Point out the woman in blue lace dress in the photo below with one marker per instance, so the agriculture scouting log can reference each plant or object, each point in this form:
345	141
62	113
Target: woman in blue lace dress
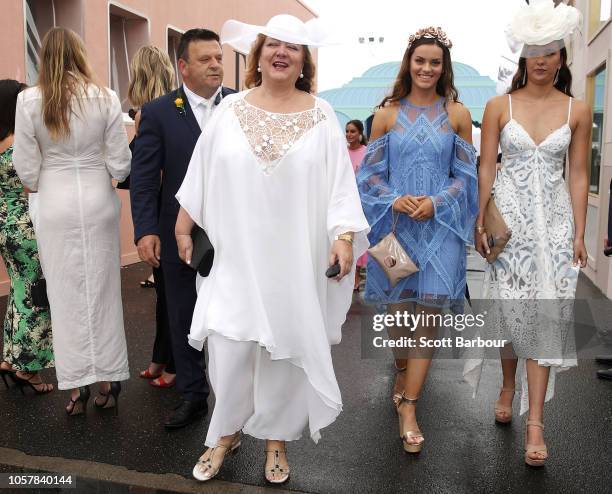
420	172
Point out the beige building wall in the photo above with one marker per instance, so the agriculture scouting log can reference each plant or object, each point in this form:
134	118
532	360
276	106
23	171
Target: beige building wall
590	51
147	22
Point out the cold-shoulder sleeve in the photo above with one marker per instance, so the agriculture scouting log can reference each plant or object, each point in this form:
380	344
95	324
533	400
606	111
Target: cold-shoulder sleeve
456	204
27	158
377	195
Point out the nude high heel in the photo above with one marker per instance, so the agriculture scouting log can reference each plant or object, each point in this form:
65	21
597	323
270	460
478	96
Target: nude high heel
503	413
530	448
412	441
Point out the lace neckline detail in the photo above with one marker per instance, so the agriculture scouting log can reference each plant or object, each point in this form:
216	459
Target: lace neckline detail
244	100
531	139
272	135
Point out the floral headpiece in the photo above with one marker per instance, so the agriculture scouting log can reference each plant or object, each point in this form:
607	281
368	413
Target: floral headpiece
432	33
544	25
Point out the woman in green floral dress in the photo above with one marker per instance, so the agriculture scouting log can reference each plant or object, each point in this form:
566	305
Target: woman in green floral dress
27	345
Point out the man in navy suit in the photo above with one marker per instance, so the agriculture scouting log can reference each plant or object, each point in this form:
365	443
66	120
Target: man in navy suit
169	129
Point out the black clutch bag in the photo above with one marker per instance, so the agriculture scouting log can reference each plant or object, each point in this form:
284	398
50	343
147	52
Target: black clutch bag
39	293
203	252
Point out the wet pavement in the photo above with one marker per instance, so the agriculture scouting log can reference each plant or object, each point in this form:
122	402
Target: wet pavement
360	453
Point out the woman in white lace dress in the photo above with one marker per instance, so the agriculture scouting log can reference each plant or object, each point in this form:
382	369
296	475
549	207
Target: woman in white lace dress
271	182
539	127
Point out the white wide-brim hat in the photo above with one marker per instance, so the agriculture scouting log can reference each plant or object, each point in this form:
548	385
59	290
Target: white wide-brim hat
283	27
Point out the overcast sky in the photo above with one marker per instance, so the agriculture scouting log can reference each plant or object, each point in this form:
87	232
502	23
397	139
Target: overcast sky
476	28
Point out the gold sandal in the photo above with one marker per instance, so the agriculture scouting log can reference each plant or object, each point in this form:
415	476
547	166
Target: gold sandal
204	469
410	439
503	413
277	470
530	448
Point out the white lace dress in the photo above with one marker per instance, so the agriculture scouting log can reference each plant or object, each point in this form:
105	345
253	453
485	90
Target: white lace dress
272	191
532	283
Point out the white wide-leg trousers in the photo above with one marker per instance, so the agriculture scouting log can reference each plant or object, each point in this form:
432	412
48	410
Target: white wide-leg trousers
267	399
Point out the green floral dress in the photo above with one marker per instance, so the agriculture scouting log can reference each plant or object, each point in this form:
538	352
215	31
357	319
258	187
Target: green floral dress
27	329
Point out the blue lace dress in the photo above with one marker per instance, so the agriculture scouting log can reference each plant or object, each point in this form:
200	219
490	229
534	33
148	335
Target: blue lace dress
421	155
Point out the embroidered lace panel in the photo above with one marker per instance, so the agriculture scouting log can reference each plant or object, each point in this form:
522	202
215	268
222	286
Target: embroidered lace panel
272	135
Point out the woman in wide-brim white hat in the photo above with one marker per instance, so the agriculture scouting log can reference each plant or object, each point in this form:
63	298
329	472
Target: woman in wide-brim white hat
271	182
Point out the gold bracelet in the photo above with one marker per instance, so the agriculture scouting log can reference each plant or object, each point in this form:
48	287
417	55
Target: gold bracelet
480	229
346	237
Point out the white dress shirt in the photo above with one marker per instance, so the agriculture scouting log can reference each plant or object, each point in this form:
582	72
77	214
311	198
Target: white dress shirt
202	108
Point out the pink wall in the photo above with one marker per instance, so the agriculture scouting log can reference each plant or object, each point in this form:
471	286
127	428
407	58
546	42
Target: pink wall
181	14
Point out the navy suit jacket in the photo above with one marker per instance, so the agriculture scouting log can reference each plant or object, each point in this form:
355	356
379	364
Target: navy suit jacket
162	150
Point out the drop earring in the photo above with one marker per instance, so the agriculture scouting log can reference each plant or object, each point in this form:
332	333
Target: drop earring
556	78
525	77
259	68
301	75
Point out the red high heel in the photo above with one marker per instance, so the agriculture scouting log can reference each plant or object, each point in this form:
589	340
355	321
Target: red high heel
147	374
160	382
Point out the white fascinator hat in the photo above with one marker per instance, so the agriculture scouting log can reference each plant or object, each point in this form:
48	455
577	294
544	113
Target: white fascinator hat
541	28
283	27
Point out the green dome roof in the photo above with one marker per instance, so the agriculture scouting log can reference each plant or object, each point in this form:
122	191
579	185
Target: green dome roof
390	69
358	98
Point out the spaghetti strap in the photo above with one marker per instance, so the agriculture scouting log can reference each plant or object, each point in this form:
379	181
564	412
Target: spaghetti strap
510	105
569	110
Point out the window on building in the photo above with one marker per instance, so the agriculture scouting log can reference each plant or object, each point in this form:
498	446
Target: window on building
240	68
174	37
42	15
600	12
597	85
128	32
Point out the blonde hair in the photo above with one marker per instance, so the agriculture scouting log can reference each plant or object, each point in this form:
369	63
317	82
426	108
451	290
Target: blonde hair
64	74
152	75
252	77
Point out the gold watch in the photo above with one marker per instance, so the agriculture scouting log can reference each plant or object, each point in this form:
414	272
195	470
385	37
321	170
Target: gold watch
345	236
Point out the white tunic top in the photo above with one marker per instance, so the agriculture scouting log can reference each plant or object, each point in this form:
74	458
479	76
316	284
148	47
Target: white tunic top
272	191
77	229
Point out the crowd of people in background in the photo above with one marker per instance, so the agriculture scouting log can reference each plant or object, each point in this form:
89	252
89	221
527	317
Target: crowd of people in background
283	196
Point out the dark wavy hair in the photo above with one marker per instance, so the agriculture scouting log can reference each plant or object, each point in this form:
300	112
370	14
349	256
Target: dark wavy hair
252	77
403	82
564	78
9	90
359	126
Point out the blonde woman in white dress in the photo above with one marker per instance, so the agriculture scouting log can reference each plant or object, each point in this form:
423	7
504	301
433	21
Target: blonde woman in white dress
69	143
271	182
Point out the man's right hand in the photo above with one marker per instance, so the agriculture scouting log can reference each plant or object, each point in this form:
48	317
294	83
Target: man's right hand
149	248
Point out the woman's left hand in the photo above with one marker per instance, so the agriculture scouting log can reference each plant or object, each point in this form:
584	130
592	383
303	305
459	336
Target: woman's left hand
341	251
580	253
425	210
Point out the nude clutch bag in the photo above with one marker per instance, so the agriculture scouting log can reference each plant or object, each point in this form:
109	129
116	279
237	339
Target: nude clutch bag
392	258
498	233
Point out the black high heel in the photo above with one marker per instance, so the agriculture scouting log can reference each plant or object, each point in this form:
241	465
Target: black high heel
114	390
23	382
79	406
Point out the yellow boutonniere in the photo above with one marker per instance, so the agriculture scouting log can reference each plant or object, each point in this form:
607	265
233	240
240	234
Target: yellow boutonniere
180	105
